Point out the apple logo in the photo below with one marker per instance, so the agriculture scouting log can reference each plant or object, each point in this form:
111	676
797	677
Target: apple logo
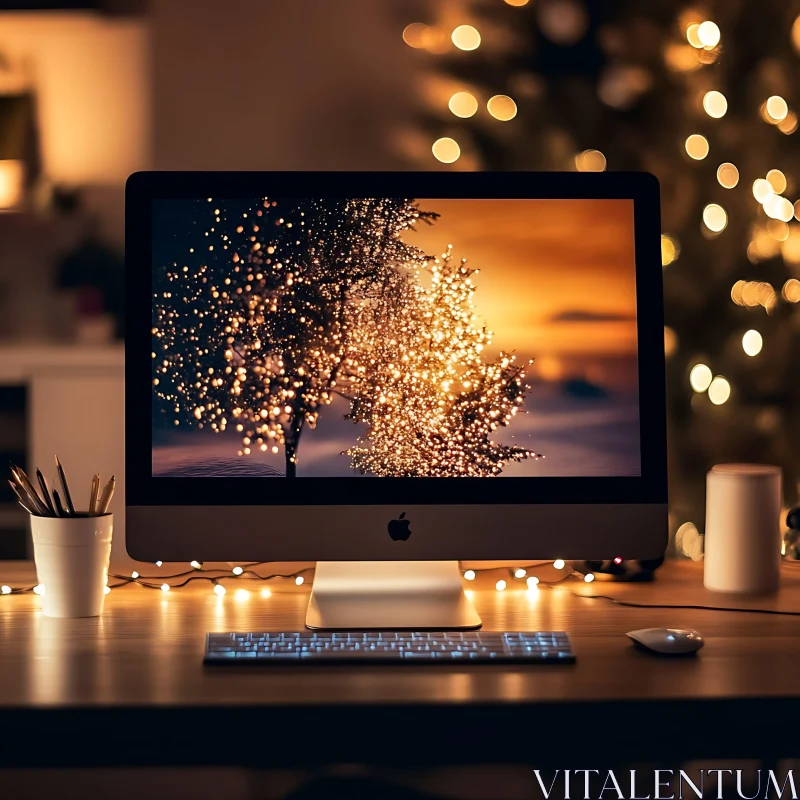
399	528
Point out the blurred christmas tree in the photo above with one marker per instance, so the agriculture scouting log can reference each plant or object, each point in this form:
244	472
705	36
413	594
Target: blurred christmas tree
704	97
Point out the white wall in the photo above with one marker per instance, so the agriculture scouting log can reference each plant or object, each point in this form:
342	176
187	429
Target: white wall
91	75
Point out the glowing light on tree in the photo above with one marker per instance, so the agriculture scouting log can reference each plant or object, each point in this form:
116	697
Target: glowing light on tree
431	403
254	338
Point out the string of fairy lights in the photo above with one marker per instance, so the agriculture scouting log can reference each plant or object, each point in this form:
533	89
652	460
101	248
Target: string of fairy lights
513	577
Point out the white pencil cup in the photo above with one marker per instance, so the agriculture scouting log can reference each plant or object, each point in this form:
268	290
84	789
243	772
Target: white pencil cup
72	556
743	539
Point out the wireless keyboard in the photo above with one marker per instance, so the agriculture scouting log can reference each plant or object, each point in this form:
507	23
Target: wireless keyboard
404	647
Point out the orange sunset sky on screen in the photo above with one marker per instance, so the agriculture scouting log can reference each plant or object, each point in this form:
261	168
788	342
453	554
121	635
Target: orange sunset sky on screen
556	276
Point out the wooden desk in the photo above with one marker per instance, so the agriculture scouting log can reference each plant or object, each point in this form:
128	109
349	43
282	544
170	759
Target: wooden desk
129	688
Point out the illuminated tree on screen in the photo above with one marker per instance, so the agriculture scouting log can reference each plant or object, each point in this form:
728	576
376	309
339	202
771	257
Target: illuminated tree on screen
419	381
254	334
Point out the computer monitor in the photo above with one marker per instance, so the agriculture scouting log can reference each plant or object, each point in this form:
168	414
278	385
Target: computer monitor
373	369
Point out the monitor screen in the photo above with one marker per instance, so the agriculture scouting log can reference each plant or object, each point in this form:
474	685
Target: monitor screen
393	337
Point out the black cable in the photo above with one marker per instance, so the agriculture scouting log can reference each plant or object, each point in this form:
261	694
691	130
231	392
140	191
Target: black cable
690	607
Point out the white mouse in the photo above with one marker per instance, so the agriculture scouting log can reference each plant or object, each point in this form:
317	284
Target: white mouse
668	641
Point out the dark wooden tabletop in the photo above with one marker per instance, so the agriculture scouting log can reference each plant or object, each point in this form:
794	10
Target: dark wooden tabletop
132	680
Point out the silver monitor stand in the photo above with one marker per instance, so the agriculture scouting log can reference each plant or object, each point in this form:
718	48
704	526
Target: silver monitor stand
385	595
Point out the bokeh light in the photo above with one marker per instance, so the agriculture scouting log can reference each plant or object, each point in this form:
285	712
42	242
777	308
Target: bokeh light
670	341
700	377
416	34
778	207
719	391
465	37
502	107
715	104
692	36
727	175
670	249
789	124
517	3
762	190
777	180
777	108
697	146
446	150
791	290
752	342
564	22
715	217
463	104
590	161
708	34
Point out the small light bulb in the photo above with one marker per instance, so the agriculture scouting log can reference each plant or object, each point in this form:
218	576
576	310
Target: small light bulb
500	585
559	563
38	589
469	575
164	587
5	589
618	560
520	573
106	590
299	580
159	563
134	574
195	564
237	570
219	590
588	577
266	593
242	594
532	582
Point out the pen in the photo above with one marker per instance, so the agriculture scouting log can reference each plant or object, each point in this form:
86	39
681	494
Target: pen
105	500
45	492
23	501
65	487
59	508
27	488
93	495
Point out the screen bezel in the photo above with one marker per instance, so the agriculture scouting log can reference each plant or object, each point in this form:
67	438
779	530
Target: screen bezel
142	488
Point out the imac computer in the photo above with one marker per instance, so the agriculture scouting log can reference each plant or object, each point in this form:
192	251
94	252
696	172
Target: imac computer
386	373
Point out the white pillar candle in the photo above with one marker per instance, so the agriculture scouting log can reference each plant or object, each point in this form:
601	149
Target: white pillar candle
742	539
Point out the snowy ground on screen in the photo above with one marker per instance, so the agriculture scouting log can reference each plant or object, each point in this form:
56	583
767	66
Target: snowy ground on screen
579	436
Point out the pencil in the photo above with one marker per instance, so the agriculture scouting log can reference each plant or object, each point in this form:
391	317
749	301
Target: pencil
65	487
22	499
27	488
105	500
45	492
57	501
93	494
